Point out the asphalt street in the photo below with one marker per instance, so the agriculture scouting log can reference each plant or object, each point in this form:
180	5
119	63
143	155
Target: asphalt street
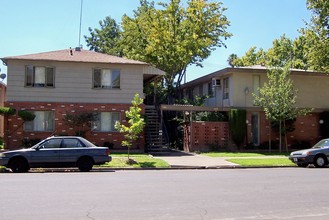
276	193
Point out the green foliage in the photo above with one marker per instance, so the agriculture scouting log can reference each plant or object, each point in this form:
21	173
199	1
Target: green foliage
237	123
7	111
26	115
278	98
136	123
283	51
81	122
210	116
106	39
309	51
173	37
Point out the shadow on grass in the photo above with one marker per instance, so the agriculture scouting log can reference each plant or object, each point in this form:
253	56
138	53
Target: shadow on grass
147	164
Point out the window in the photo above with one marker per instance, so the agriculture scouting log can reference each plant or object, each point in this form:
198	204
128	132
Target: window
210	90
36	76
72	143
106	121
106	78
43	121
256	84
225	88
50	144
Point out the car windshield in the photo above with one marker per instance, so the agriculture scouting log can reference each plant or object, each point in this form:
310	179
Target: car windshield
322	143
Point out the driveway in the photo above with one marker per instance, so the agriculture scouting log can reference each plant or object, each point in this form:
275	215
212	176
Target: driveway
178	159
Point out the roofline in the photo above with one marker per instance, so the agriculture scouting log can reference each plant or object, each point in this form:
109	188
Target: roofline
5	59
229	70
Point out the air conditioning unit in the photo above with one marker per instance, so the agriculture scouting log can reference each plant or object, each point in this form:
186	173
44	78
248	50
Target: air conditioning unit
216	82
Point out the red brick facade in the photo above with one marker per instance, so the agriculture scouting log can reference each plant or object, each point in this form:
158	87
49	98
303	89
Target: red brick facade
209	136
307	128
16	133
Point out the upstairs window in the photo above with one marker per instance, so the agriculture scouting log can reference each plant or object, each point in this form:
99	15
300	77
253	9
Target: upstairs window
39	76
106	78
226	90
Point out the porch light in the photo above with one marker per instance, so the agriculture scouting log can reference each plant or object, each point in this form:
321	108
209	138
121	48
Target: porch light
321	121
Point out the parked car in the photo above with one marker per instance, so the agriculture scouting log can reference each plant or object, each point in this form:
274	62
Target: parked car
317	155
61	151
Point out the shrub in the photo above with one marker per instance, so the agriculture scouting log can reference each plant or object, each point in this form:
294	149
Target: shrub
26	115
237	122
7	111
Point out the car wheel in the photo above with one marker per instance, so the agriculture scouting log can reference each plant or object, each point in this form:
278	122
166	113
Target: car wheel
320	161
85	164
18	165
302	164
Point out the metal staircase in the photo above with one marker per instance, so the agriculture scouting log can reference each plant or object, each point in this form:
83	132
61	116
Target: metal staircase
155	139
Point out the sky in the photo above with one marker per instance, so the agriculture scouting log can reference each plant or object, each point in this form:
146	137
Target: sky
35	26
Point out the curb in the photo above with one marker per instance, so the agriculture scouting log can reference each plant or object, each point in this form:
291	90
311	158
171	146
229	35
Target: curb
106	169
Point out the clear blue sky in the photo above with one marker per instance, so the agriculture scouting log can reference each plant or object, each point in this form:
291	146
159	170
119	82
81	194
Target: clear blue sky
33	26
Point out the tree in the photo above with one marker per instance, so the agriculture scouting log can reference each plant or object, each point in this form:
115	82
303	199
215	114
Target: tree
238	126
278	98
80	121
283	50
173	37
106	39
136	124
317	35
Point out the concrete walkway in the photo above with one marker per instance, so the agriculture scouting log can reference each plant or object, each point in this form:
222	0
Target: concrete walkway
177	159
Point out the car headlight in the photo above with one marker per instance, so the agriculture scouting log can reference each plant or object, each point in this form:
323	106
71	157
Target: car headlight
306	153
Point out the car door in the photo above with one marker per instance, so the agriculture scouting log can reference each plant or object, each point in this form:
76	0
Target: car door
71	150
47	153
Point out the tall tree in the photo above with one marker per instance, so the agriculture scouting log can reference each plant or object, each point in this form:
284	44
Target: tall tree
105	39
317	35
278	98
283	50
173	37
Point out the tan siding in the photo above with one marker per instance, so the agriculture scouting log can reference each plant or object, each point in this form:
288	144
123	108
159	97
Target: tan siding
73	83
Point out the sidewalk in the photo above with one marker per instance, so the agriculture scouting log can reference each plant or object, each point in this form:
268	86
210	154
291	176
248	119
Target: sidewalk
178	159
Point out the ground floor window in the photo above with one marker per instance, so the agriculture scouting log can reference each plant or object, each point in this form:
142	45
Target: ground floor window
43	121
106	121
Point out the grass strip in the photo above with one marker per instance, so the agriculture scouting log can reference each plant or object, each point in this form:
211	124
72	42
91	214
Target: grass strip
250	162
242	154
136	161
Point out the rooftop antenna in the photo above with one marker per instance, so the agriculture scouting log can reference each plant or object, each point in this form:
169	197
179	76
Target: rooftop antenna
80	23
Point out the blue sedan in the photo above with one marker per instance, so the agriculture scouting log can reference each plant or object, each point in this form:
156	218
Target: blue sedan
62	151
317	155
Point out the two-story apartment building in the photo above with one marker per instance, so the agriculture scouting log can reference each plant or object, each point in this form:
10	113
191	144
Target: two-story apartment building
72	81
234	87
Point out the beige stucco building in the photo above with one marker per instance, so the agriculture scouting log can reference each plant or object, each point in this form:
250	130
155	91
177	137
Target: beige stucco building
234	87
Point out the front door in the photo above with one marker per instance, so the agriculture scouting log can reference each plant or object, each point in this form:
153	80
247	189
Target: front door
255	128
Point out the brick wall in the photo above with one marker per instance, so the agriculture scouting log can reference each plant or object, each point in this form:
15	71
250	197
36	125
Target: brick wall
208	136
307	128
16	133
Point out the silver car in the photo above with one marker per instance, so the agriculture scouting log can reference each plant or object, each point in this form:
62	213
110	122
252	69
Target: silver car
62	151
317	155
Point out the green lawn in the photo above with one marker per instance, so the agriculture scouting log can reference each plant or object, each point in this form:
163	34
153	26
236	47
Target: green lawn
242	154
250	162
137	161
